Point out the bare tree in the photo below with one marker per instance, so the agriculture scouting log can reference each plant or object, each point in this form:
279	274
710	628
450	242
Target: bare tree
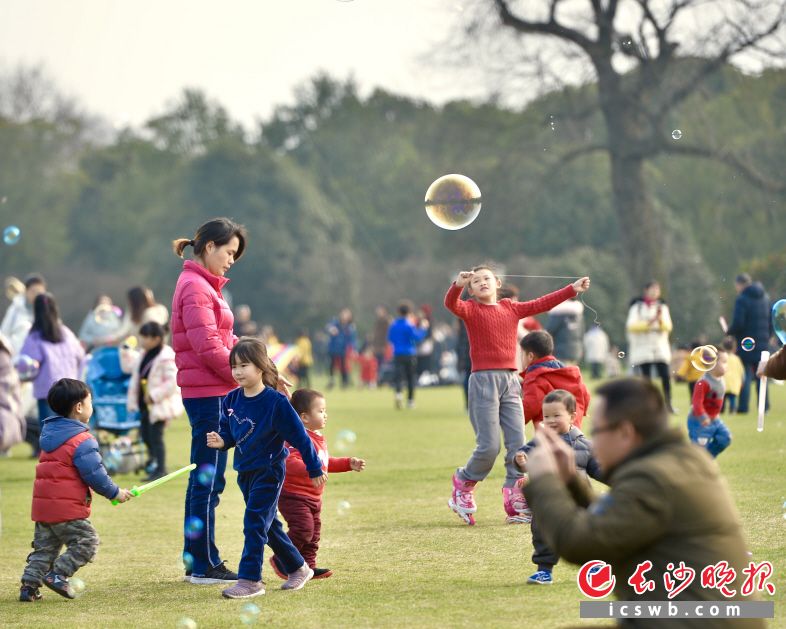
647	57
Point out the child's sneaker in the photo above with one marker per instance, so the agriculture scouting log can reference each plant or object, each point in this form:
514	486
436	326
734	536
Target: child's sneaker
215	575
298	578
516	508
410	403
29	593
462	502
322	573
541	577
399	401
280	572
59	584
244	589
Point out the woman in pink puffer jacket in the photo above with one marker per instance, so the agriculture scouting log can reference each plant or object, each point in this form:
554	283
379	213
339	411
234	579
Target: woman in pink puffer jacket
202	338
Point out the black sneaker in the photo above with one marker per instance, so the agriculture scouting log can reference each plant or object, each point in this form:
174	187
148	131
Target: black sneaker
187	578
59	584
29	593
322	573
212	576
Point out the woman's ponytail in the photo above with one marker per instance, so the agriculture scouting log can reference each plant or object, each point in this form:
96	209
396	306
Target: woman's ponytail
180	244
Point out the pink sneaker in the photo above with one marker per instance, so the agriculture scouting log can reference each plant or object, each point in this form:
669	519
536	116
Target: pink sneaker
462	502
516	508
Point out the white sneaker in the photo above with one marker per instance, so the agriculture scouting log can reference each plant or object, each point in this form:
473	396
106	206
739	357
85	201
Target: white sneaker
299	578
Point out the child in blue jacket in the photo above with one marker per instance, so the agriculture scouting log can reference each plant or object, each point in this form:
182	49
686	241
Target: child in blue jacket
256	420
405	336
69	467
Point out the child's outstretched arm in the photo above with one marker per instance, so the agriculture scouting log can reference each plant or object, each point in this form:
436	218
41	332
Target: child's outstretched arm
453	296
88	462
547	302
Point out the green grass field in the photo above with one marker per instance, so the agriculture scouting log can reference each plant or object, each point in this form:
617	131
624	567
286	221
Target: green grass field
400	557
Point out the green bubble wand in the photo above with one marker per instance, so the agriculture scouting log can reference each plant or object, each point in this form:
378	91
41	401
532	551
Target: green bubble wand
138	491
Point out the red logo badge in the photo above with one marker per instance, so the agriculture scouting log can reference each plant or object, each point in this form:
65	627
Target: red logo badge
595	579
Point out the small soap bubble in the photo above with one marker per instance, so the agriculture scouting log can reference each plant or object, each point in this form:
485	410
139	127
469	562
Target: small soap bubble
77	586
676	134
704	357
344	507
249	614
344	440
620	354
194	527
748	344
11	235
27	368
186	623
3	199
205	474
188	561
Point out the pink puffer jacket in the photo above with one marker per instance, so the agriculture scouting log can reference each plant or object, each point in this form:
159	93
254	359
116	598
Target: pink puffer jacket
202	333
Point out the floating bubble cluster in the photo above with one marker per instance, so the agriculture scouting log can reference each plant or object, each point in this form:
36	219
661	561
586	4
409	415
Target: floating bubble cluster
704	357
11	235
453	202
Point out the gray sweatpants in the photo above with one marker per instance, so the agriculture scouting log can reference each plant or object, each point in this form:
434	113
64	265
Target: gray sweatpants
494	403
81	542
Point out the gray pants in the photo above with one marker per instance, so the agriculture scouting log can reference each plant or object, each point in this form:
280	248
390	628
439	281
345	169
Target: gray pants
494	403
81	542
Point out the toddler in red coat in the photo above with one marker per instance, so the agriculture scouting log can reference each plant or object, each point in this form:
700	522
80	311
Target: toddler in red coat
69	468
300	502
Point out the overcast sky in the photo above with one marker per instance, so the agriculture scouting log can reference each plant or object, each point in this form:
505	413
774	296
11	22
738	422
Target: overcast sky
126	60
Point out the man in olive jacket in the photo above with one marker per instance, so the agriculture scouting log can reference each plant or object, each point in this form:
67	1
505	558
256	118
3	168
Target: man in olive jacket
667	501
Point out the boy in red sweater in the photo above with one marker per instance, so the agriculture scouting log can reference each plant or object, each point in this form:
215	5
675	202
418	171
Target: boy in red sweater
542	373
705	427
70	468
494	393
300	502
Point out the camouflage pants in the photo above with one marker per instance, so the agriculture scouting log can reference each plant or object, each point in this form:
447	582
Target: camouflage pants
81	542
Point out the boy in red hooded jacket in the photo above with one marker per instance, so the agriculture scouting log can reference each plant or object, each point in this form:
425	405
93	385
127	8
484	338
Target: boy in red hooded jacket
543	373
300	502
69	468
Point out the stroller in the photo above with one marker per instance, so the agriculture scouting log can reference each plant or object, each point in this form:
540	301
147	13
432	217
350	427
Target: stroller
110	422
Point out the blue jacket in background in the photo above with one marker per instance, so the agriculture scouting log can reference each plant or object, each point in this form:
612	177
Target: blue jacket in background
338	344
585	460
257	428
404	336
751	319
87	459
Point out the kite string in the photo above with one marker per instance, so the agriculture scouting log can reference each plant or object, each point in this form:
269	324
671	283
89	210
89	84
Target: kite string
562	277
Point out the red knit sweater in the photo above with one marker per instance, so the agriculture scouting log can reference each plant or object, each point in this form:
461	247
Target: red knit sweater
492	328
708	399
297	480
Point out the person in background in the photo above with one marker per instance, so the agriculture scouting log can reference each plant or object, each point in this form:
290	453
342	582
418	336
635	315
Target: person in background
56	350
305	358
405	335
12	419
379	338
19	317
565	323
751	320
142	307
735	374
596	350
244	324
342	341
104	320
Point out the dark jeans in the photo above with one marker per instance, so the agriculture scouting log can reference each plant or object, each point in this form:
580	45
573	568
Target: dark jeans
304	377
339	363
303	516
153	435
261	525
731	399
663	372
34	430
81	542
596	370
405	372
745	392
202	500
543	557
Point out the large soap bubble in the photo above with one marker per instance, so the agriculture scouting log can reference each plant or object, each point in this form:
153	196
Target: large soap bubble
453	202
779	319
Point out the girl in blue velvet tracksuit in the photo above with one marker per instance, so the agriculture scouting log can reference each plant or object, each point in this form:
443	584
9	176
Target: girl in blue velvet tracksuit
256	420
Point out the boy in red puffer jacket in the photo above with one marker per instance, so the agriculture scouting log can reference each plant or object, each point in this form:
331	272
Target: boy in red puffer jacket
69	467
543	373
300	502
